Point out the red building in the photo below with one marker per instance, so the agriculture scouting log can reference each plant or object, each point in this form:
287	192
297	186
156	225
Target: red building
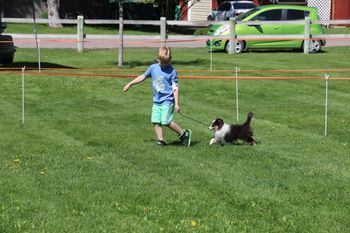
328	9
341	9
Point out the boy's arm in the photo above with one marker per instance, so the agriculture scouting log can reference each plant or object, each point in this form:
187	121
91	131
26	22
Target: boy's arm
133	82
176	97
175	85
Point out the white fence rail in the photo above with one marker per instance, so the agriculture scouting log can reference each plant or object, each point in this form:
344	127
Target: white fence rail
80	22
169	22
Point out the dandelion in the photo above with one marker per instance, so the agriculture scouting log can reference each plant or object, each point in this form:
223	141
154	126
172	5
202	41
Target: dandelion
194	223
43	172
17	161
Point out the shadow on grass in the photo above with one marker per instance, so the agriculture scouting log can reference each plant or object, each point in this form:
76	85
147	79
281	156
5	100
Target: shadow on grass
33	65
179	144
268	51
155	29
293	51
176	143
132	64
194	143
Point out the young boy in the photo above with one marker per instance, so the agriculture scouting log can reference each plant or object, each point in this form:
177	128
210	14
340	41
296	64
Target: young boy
165	96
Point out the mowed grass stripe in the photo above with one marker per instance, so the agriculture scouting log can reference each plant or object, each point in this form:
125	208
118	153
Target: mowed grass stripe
85	159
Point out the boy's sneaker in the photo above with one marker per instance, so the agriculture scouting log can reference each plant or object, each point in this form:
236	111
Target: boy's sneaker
186	137
161	143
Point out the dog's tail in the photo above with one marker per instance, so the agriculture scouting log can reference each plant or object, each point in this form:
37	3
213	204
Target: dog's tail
250	118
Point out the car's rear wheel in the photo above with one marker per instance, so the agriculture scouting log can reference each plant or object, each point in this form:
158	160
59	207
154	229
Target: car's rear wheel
314	46
239	46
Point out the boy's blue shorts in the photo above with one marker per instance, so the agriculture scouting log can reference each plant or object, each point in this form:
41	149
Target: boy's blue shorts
162	113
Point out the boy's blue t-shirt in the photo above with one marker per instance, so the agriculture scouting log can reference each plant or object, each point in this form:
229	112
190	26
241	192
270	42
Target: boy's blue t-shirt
163	80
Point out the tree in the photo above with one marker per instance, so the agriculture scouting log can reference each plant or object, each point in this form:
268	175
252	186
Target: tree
52	10
121	35
166	8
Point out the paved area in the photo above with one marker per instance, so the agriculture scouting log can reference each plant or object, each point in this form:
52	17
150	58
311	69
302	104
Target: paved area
105	42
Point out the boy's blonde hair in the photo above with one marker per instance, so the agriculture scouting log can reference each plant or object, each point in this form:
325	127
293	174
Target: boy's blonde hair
164	56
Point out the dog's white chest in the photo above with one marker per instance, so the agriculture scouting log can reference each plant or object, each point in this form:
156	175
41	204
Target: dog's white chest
220	134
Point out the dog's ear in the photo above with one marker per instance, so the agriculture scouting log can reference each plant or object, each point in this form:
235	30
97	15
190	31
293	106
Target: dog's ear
220	121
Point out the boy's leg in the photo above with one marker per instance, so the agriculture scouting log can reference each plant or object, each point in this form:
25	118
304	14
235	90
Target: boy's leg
167	114
159	132
184	134
156	119
176	128
160	137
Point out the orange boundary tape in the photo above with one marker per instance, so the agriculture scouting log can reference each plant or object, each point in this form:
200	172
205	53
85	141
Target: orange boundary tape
340	70
157	41
258	78
181	77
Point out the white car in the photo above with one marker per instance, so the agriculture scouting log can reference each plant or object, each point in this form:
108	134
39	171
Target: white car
229	9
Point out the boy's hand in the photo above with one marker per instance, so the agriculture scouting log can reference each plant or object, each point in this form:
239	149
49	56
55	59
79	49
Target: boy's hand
177	108
126	87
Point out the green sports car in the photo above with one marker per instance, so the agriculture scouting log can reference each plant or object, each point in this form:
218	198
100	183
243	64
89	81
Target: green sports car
269	13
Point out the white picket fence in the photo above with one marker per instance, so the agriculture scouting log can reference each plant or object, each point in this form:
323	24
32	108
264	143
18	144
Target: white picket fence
163	23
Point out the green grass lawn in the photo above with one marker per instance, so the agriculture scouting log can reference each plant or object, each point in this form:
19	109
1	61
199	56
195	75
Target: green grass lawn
338	30
93	29
128	29
85	159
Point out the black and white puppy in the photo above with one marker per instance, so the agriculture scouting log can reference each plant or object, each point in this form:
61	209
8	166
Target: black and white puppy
228	133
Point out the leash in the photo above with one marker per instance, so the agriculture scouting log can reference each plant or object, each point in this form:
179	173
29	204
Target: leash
199	122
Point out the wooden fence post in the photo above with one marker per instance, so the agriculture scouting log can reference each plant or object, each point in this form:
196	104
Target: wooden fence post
121	42
80	31
307	35
232	41
163	35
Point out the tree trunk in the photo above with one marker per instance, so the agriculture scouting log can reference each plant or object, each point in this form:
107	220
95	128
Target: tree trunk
52	10
167	9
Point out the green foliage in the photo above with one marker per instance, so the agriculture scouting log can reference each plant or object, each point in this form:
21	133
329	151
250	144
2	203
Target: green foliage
92	29
86	161
125	1
201	31
44	15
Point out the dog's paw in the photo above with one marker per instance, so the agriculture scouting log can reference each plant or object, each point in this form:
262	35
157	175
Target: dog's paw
212	141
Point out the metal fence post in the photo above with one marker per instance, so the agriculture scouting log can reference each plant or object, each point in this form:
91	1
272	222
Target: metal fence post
307	35
80	31
232	41
237	104
326	76
163	35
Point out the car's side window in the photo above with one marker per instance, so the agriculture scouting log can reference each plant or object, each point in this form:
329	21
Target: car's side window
225	7
243	5
296	14
270	15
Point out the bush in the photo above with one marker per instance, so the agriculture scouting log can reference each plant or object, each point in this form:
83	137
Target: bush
201	31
